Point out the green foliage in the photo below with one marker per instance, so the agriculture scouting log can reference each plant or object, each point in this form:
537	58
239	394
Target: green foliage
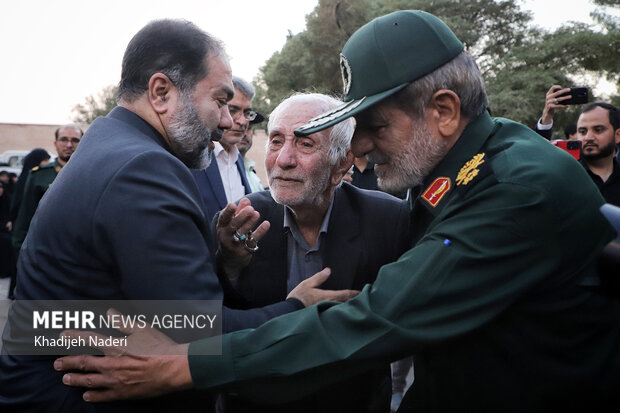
95	106
519	62
309	61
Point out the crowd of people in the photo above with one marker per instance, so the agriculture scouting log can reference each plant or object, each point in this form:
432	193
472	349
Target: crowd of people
480	274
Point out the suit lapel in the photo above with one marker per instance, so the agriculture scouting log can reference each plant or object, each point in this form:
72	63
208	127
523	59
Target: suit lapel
343	244
215	180
270	285
244	178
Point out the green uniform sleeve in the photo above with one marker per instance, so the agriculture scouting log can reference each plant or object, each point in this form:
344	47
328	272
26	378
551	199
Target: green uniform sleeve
29	204
481	255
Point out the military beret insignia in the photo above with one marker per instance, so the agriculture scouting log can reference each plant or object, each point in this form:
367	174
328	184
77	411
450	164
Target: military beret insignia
436	191
470	170
345	71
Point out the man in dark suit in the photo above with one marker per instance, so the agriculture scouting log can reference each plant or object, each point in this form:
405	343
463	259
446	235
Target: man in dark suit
123	220
315	222
224	180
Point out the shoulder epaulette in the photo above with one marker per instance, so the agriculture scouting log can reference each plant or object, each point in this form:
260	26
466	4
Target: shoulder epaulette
45	167
474	170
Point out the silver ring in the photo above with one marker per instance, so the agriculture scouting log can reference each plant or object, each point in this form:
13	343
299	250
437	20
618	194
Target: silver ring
555	101
239	237
250	244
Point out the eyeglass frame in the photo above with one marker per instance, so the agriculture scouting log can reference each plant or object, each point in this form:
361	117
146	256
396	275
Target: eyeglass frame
248	114
66	140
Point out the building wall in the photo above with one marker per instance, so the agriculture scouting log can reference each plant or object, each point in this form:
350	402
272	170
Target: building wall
19	136
22	136
257	153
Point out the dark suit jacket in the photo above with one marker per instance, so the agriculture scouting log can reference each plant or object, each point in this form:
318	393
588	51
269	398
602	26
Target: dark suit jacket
123	220
366	230
211	189
545	133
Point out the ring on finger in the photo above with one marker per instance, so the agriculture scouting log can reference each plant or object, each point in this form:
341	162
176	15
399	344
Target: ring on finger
555	101
250	244
239	237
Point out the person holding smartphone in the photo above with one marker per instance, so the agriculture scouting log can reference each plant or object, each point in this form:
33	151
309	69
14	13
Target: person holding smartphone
558	97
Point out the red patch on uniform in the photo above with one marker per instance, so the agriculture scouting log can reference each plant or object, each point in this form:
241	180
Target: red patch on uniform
436	191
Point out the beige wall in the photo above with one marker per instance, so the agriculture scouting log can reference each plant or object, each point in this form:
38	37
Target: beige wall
257	154
16	136
20	136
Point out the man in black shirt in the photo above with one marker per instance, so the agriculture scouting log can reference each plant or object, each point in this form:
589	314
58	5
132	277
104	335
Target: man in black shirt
598	129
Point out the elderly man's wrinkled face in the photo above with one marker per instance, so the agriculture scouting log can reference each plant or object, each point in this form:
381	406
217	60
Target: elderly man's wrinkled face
298	169
403	149
201	116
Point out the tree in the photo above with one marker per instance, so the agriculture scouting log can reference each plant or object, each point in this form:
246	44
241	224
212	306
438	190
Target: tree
519	62
96	106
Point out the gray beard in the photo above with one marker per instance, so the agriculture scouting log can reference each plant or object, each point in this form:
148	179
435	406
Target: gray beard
189	136
409	167
315	194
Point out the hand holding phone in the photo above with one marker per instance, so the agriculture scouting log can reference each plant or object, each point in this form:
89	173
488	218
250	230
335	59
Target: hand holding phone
578	96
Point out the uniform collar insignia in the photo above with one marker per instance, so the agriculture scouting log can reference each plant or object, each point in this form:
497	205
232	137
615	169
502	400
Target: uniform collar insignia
436	191
470	170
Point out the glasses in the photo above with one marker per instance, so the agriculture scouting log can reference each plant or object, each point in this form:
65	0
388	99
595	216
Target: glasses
64	140
235	112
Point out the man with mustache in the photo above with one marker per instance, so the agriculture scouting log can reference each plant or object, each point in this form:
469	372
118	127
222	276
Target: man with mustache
316	221
225	180
123	220
495	298
598	129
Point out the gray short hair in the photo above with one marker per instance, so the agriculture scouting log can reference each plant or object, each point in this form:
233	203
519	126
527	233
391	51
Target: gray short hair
460	75
244	87
340	134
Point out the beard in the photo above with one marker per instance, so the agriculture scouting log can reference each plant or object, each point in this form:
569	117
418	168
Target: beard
189	136
314	191
603	152
409	167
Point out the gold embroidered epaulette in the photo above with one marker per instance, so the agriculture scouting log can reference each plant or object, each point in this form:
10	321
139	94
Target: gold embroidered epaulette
470	170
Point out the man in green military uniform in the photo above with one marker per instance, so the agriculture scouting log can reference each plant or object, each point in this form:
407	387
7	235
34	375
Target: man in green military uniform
496	298
67	138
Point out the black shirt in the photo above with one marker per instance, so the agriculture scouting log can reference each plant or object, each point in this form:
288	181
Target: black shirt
610	189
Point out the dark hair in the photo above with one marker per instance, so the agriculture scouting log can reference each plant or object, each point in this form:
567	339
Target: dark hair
614	116
176	48
57	131
34	158
570	129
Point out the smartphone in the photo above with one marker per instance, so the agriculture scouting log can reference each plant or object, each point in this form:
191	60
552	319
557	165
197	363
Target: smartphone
573	147
579	96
